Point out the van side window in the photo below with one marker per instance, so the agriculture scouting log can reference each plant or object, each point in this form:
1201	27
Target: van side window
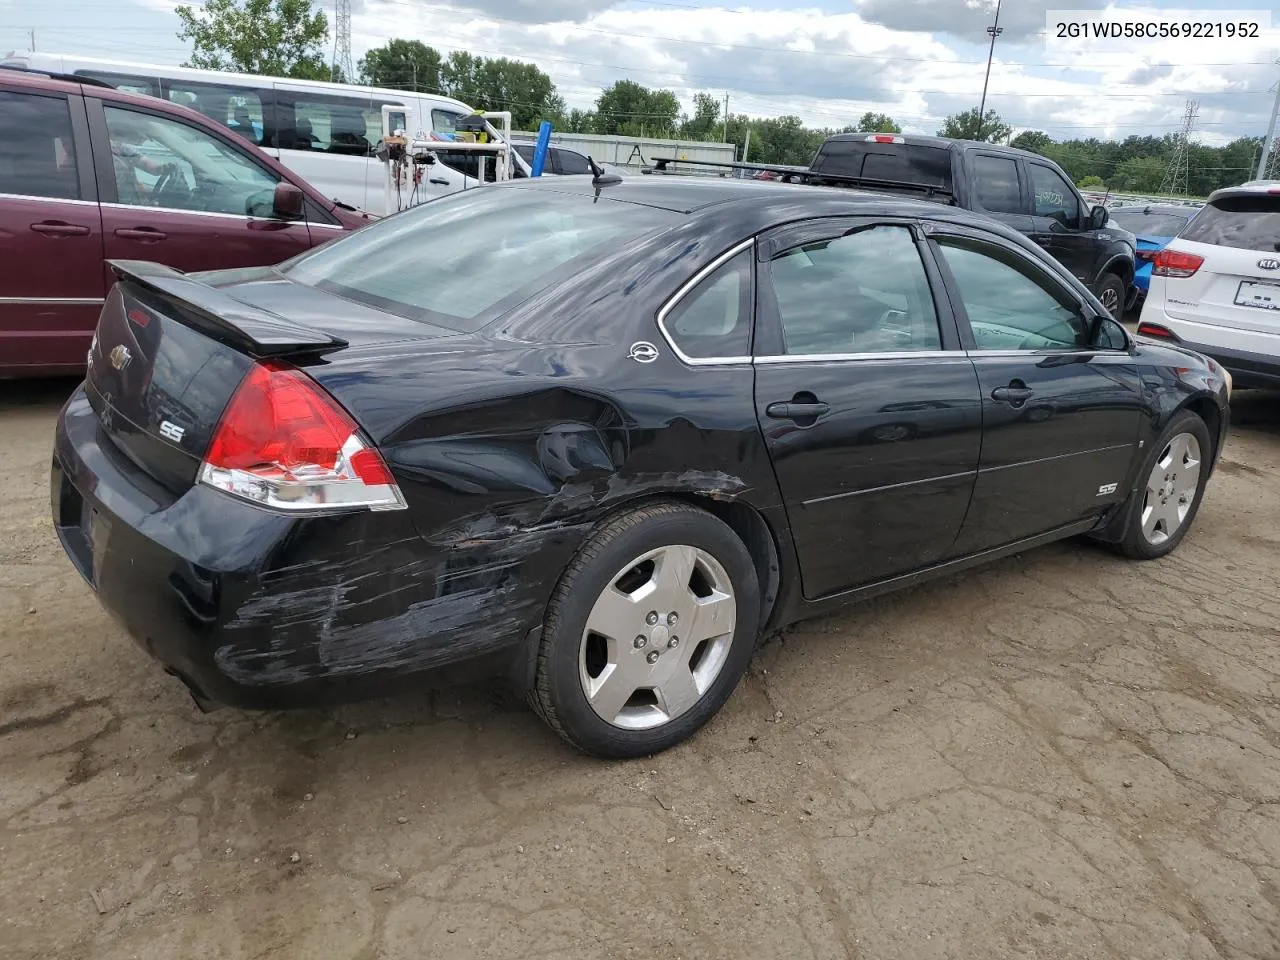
148	86
325	123
239	109
38	158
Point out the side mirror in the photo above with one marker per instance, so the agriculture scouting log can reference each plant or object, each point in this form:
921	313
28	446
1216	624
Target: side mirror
288	201
1098	218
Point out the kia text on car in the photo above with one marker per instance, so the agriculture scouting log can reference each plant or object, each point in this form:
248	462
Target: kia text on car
598	438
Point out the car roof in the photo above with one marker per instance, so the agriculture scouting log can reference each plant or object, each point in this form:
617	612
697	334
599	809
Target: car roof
1253	188
763	203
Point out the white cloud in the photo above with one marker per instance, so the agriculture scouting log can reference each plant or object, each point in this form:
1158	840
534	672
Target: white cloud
828	68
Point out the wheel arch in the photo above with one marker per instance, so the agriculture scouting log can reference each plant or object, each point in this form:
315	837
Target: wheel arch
1206	408
1122	266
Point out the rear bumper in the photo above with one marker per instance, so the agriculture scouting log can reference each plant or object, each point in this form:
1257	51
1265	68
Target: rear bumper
1253	358
256	610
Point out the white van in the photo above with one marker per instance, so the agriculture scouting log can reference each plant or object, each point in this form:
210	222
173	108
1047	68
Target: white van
327	132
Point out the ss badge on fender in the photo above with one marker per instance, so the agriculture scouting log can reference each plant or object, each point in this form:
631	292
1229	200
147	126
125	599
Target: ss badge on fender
1107	489
171	431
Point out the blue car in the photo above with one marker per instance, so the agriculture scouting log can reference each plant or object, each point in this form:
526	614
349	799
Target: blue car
1154	225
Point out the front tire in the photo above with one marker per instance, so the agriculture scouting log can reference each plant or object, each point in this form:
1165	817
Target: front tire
648	632
1111	294
1169	489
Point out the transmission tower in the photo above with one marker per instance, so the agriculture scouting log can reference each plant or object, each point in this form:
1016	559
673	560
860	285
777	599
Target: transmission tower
342	41
1175	175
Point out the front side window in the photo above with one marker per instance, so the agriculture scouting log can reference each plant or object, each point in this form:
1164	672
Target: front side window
864	292
160	162
714	320
997	184
37	152
1011	304
457	260
149	86
1054	196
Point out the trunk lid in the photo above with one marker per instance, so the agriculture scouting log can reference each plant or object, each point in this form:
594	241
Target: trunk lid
170	350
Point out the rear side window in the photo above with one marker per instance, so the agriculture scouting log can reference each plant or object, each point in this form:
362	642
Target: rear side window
1246	223
37	153
457	261
715	319
996	181
904	162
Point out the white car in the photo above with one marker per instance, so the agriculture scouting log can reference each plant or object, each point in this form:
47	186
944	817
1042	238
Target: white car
1215	287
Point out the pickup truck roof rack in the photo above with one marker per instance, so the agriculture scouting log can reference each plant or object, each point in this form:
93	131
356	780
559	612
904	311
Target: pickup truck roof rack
792	174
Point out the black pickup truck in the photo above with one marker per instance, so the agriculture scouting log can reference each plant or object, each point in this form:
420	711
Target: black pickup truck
1024	190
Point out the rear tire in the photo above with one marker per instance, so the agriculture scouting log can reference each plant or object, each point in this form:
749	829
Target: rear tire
648	632
1168	491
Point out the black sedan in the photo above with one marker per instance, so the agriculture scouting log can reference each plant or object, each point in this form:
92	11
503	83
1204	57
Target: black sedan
600	438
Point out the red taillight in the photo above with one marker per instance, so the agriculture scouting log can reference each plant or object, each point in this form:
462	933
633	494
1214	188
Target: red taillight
140	317
283	442
1155	330
1145	254
884	138
1175	263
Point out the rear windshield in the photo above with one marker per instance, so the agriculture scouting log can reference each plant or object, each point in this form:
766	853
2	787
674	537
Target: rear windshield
457	261
1151	224
904	162
1247	223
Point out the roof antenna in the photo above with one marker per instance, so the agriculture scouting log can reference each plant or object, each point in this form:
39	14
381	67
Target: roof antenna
599	177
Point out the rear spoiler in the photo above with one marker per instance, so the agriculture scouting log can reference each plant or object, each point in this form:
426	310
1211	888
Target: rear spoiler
249	329
790	174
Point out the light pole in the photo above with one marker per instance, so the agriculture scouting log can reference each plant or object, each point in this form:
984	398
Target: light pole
993	31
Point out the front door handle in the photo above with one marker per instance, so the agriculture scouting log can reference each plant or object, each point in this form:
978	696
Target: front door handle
1016	393
57	228
145	234
796	411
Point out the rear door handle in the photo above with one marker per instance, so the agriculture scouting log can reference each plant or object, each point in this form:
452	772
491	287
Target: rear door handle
796	411
56	228
145	234
1012	394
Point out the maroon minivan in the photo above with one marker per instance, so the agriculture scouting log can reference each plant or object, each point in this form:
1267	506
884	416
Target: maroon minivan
89	174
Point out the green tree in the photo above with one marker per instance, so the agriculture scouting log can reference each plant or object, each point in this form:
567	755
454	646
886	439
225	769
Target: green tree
1139	175
279	38
704	122
1034	140
502	84
402	65
968	126
1091	182
876	123
630	109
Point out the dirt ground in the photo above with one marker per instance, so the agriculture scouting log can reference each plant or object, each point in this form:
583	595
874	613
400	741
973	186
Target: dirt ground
1064	755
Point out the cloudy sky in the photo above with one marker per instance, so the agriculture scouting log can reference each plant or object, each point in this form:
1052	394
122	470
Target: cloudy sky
824	60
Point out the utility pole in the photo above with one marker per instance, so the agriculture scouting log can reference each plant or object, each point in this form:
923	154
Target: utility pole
725	136
993	31
1271	132
342	40
33	40
1177	174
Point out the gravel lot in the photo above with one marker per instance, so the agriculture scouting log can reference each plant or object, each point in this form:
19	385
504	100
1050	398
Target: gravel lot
1064	755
